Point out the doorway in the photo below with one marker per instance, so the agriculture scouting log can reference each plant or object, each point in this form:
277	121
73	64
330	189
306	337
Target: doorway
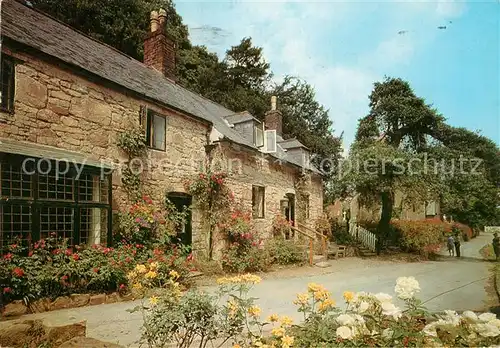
288	210
184	231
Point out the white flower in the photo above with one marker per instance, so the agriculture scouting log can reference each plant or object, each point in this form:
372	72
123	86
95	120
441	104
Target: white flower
486	317
469	316
359	319
452	318
430	329
382	297
344	332
390	309
345	319
387	334
406	287
487	330
363	307
495	322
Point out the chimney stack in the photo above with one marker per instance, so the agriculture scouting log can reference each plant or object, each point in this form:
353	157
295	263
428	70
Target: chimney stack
274	118
159	49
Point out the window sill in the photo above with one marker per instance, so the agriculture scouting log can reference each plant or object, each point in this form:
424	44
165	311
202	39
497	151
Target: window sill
155	149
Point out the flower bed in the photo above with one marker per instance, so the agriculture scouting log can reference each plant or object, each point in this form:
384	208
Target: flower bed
51	269
367	320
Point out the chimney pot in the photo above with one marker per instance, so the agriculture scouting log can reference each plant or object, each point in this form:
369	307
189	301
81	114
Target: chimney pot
273	103
154	21
162	17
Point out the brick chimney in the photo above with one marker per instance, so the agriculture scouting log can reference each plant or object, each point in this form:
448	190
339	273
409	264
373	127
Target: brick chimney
159	48
274	118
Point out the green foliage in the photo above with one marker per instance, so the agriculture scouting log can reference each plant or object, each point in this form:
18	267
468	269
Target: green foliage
133	142
122	24
281	226
487	252
238	259
421	236
201	317
285	252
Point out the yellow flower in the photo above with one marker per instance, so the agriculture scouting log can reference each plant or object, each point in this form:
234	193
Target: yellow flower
302	299
278	331
273	318
233	308
313	287
222	280
250	278
348	296
151	275
174	274
321	295
153	300
236	345
326	304
141	268
153	265
286	321
254	311
286	341
137	286
131	275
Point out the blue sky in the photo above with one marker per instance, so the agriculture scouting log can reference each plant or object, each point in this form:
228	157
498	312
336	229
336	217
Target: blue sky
342	48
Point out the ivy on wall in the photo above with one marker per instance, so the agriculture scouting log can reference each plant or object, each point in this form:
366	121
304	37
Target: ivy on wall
133	143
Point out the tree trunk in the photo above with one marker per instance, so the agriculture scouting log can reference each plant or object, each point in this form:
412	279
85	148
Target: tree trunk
385	219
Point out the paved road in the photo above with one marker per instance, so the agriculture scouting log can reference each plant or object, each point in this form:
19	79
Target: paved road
446	284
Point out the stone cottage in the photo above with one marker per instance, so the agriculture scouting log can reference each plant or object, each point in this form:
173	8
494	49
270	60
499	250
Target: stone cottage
65	99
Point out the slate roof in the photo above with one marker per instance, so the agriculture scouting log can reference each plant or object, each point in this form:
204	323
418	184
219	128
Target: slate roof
37	30
241	117
291	144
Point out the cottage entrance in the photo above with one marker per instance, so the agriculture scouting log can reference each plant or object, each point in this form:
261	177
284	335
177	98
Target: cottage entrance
181	201
288	210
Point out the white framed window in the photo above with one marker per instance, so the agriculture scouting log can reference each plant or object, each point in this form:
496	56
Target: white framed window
156	130
270	141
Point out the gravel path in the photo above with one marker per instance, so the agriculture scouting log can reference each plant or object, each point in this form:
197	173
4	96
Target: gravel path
449	283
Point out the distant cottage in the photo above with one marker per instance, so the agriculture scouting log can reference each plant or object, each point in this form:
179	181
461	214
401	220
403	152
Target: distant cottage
66	96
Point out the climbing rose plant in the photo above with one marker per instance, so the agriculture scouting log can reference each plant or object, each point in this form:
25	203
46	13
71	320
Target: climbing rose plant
213	197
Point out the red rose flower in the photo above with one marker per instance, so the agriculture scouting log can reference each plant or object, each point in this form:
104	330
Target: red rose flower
64	277
56	251
68	252
8	256
76	257
7	290
122	286
18	272
30	253
96	270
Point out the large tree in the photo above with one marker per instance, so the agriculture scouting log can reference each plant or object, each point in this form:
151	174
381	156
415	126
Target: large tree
404	144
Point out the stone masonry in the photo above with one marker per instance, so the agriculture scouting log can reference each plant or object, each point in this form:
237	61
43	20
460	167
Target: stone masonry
57	107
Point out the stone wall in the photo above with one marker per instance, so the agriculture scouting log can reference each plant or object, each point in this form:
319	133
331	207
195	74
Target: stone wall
55	107
246	169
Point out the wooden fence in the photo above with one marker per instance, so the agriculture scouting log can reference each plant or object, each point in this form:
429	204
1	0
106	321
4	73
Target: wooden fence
362	235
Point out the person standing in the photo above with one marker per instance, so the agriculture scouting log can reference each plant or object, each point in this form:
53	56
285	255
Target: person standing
451	245
457	245
496	245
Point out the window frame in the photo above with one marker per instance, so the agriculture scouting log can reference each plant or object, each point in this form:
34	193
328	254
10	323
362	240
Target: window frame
11	86
262	213
36	203
150	140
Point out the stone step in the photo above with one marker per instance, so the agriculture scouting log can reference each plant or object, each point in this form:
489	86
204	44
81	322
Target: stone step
319	258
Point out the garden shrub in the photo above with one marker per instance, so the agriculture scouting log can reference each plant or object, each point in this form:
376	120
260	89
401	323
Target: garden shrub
367	320
244	250
424	237
464	231
285	252
51	268
281	226
323	225
487	252
341	237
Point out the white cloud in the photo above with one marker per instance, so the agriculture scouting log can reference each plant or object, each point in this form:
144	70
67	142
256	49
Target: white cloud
450	8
